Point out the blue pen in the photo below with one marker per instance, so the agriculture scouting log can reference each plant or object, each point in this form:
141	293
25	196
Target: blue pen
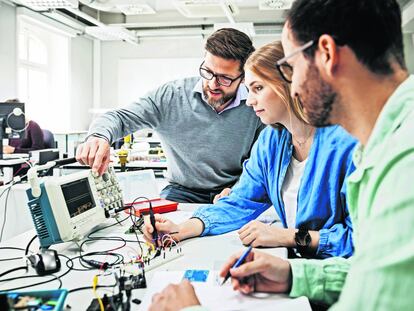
238	262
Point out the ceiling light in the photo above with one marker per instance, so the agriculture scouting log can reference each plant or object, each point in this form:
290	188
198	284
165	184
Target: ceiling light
135	9
44	5
205	8
275	4
111	33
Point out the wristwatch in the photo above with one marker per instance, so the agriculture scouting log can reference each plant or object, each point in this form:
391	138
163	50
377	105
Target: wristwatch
303	241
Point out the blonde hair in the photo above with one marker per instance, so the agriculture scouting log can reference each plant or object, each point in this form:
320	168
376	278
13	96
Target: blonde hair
263	64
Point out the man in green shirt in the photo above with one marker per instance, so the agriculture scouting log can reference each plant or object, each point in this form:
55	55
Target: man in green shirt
345	61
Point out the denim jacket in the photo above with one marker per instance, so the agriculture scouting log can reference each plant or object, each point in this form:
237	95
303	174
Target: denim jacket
322	193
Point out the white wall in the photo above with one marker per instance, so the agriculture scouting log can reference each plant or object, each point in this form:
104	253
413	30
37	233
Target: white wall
409	51
8	80
113	54
81	62
81	80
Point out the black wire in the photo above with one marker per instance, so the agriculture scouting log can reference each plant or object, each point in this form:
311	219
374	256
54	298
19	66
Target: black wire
106	227
12	258
12	270
28	245
58	278
135	220
110	252
72	266
5	205
89	287
133	229
12	247
5	210
69	268
109	238
119	259
31	285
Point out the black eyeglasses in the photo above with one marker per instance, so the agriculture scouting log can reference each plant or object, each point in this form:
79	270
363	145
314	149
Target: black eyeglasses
220	79
286	70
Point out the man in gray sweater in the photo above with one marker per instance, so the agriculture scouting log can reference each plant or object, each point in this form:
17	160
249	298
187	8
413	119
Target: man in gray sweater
205	127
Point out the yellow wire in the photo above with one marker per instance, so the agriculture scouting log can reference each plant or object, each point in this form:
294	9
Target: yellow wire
94	284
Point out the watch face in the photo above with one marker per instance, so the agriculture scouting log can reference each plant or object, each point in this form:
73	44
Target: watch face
302	238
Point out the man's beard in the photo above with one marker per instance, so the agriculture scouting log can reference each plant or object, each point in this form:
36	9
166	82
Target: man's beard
220	102
318	98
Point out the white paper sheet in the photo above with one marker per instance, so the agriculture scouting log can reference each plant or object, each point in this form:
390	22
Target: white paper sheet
223	298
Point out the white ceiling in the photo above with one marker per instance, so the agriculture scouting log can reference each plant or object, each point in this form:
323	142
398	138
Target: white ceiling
167	17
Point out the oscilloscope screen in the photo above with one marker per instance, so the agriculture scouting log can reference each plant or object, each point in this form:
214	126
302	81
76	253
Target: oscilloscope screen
78	197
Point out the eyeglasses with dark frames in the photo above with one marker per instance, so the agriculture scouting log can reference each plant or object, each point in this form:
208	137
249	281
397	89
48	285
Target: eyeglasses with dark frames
286	70
220	79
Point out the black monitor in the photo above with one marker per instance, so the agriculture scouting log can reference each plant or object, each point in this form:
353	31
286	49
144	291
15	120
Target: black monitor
10	124
48	155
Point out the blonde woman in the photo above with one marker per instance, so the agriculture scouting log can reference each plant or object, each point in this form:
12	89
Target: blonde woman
298	169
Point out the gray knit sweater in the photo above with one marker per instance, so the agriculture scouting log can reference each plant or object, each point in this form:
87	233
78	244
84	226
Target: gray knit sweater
205	150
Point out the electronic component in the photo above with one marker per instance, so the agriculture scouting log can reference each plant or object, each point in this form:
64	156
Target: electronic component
96	264
110	303
196	275
159	206
165	256
136	226
66	208
117	302
132	282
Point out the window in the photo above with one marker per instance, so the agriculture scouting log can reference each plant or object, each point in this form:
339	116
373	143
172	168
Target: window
43	74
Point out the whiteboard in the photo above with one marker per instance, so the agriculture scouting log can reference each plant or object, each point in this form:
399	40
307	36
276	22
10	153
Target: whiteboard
138	76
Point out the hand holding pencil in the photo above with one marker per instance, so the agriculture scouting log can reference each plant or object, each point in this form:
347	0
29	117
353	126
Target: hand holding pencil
265	273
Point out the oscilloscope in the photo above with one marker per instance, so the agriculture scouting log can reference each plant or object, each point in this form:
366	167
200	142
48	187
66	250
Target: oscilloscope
70	206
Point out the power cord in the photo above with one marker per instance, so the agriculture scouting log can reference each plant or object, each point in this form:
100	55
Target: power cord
55	278
5	210
11	258
14	182
26	252
12	270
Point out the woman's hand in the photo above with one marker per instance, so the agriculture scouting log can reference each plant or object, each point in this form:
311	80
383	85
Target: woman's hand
8	149
224	193
256	233
163	225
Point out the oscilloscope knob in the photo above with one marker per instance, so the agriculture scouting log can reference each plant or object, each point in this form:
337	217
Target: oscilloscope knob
105	176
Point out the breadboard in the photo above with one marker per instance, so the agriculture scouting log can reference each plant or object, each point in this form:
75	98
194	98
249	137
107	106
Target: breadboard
164	258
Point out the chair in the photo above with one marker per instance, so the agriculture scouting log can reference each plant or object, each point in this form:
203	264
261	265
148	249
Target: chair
49	139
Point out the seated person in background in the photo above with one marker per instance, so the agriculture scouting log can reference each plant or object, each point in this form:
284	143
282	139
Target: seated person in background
298	169
206	130
33	138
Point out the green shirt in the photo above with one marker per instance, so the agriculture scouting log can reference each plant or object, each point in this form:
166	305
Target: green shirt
380	275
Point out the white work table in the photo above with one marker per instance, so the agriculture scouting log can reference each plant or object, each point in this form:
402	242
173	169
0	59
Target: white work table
208	253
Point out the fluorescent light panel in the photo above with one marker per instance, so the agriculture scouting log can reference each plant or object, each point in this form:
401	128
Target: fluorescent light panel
44	5
110	33
135	9
267	5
